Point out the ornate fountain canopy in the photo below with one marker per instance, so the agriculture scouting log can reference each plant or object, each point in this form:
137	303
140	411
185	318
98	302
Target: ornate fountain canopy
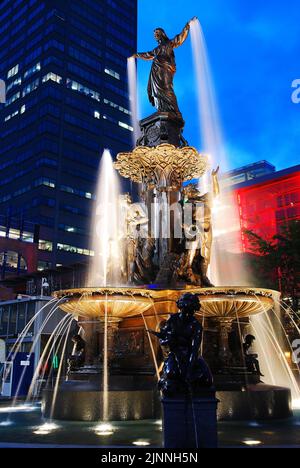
163	166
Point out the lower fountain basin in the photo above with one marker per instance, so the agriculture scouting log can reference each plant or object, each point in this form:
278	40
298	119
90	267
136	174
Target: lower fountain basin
255	402
136	398
131	397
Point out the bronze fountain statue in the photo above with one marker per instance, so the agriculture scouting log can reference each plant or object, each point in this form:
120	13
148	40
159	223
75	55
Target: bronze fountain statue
160	86
184	371
159	273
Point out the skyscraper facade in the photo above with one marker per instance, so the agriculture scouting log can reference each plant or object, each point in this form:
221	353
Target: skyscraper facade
64	66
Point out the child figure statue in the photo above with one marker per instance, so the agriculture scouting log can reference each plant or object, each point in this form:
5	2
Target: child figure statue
184	371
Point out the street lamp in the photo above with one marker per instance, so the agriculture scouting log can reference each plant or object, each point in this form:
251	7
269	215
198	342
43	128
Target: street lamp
44	285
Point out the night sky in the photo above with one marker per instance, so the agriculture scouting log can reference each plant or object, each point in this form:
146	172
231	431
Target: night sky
254	50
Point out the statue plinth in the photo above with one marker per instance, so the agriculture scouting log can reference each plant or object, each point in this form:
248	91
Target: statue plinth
190	422
160	128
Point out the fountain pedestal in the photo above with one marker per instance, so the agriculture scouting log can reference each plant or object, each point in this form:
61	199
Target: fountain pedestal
190	422
162	127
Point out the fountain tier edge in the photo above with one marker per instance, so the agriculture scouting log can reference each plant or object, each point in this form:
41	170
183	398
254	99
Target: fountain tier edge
125	302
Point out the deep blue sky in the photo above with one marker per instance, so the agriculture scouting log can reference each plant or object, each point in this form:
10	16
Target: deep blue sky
254	50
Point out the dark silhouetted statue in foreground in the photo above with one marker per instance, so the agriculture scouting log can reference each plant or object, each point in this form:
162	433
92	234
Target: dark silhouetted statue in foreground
160	87
184	371
251	360
76	360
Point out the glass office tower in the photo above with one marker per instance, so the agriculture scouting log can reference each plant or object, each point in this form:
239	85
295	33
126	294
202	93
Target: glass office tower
64	65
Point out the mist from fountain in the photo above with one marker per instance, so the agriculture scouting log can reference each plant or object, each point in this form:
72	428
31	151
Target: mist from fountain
40	370
66	337
32	349
106	265
226	266
271	340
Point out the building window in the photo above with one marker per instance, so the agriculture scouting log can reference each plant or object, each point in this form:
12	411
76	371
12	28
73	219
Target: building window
126	126
45	245
32	70
45	181
71	229
80	193
97	115
43	265
54	44
82	89
31	87
112	73
13	71
16	82
10	116
75	250
53	77
116	106
12	261
13	98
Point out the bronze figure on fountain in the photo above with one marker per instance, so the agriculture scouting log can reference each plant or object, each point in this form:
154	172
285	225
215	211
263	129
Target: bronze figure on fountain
195	260
160	86
184	371
167	124
251	359
77	357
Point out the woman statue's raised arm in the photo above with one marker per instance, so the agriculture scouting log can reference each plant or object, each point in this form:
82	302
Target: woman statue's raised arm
180	38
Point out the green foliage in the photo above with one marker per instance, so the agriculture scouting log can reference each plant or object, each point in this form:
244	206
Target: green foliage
277	261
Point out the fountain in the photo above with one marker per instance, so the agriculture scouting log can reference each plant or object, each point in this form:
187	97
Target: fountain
139	272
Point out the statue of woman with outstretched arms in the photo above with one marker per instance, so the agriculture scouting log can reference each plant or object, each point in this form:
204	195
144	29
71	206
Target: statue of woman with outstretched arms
160	87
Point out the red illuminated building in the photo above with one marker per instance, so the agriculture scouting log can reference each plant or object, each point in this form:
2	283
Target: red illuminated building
266	198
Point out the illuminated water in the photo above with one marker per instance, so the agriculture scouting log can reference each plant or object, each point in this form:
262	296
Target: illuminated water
106	265
133	98
227	266
28	428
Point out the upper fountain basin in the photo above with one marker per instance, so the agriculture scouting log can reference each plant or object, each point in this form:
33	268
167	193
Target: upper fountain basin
125	302
162	166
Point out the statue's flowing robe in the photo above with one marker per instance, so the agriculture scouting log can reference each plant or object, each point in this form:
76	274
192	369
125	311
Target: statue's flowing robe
160	86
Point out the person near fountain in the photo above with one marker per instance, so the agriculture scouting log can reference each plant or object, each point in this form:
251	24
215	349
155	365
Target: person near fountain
251	359
160	86
76	359
184	371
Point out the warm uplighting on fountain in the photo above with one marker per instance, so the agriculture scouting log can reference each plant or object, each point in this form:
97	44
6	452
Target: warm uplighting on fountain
17	409
6	423
252	443
46	428
104	429
254	424
296	404
141	443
